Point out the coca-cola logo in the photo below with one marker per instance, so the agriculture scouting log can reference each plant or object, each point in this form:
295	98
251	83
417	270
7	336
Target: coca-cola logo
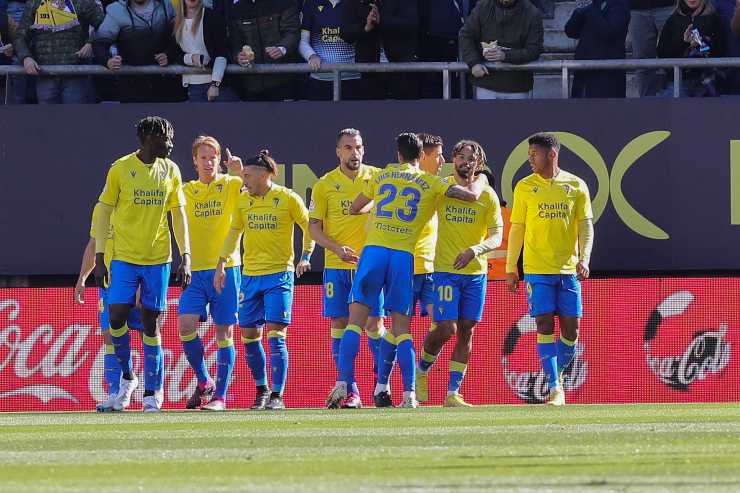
531	386
706	354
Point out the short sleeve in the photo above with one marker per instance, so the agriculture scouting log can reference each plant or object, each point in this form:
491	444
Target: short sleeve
318	207
297	208
177	196
583	203
236	217
370	188
112	188
519	209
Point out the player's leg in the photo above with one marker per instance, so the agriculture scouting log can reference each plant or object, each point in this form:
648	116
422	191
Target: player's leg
192	309
278	309
111	368
251	321
375	330
154	282
399	300
542	299
570	309
224	307
124	280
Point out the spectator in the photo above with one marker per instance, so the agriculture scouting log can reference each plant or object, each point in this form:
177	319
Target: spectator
200	33
726	10
6	43
384	31
735	22
139	33
441	20
647	20
601	29
513	33
56	32
321	43
271	30
20	88
694	29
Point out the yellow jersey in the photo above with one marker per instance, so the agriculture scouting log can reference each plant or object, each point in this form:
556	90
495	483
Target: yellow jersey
463	225
424	251
550	211
209	209
405	199
267	223
108	255
331	199
141	195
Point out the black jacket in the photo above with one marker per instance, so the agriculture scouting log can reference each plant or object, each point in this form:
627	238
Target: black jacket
396	33
518	28
601	30
650	4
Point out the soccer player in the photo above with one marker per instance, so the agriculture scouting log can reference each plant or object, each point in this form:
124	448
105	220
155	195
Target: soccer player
111	368
551	217
210	201
266	213
403	199
140	189
343	235
467	232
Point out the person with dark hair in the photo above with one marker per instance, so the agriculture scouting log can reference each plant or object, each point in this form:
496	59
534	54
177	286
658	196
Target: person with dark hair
343	236
507	31
263	31
209	201
140	189
467	233
439	23
139	33
694	30
432	153
552	219
403	199
384	30
647	18
56	32
601	29
266	215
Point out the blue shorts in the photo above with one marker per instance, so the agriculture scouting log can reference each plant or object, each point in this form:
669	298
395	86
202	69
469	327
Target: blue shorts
553	293
267	298
385	270
134	315
459	296
125	279
423	292
200	297
337	288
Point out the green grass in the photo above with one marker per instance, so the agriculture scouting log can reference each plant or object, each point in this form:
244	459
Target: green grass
512	448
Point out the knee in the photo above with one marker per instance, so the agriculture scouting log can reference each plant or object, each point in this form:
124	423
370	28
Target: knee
277	331
224	332
445	330
251	333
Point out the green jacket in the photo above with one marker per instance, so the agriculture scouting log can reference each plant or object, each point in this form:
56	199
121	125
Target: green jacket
518	28
56	45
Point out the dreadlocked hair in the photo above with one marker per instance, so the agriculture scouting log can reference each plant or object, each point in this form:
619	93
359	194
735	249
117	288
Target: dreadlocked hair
154	126
478	152
263	160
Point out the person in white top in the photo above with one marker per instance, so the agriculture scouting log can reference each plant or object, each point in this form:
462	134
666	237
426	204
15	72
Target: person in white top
200	33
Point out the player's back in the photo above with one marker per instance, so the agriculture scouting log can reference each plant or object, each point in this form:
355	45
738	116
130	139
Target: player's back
405	200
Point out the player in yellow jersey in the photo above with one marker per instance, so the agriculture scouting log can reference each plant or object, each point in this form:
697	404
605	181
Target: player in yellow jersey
141	188
403	199
551	217
210	201
111	368
467	232
266	214
342	236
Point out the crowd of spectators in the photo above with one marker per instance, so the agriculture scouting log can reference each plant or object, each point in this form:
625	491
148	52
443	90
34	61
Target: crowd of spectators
211	34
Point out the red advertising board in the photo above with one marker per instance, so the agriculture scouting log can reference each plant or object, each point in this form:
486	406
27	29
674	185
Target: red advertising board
642	340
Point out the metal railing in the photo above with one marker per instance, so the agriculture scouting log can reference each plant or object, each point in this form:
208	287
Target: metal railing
565	67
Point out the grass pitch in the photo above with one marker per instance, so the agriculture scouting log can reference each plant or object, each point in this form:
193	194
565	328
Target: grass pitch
510	448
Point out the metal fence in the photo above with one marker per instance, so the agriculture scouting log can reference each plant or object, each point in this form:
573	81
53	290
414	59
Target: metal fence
565	67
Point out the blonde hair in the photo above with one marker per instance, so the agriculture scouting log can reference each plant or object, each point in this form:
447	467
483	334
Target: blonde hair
206	140
180	19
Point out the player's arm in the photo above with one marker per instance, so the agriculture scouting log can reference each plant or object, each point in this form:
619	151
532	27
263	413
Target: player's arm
585	244
493	241
516	239
470	193
102	226
361	205
86	267
182	238
300	216
316	228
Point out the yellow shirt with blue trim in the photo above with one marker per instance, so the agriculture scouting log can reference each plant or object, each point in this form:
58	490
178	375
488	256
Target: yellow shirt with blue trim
141	196
331	198
108	255
425	246
463	225
550	210
209	209
267	223
405	199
